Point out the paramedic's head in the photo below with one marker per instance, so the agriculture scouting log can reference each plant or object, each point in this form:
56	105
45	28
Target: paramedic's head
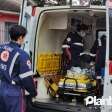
82	29
17	33
103	39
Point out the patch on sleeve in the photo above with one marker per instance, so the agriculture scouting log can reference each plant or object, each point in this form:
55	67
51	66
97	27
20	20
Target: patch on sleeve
5	56
29	64
68	39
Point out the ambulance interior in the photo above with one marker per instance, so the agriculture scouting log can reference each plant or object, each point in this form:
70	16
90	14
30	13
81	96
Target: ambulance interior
53	29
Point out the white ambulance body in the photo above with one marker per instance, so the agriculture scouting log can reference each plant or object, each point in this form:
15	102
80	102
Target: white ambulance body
47	28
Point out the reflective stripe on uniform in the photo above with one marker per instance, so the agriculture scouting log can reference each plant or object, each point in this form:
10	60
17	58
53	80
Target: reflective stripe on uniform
65	46
24	75
93	55
12	63
78	44
87	53
82	53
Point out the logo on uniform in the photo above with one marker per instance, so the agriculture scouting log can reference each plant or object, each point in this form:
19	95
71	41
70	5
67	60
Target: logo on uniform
4	56
68	39
29	64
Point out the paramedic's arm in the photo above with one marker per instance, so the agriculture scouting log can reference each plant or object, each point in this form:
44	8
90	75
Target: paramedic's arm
66	46
93	50
68	53
26	75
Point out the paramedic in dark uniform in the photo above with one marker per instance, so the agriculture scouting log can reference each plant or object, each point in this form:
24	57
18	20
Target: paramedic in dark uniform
73	45
98	52
15	72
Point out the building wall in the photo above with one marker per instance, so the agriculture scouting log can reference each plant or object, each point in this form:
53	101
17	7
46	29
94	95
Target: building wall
4	20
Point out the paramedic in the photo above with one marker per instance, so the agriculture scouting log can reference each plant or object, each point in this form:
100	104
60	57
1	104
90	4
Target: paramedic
99	49
15	72
98	52
73	45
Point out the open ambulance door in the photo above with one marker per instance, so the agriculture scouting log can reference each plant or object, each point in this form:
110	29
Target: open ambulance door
28	20
107	92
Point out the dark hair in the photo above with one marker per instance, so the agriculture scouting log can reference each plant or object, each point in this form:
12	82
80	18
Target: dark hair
103	36
16	31
103	39
80	27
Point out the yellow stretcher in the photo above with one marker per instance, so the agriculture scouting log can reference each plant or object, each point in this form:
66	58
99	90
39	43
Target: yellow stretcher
79	84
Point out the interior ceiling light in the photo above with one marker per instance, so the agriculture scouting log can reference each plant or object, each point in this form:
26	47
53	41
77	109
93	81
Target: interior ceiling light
80	2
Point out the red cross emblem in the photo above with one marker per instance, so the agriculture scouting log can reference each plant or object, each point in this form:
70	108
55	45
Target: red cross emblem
5	56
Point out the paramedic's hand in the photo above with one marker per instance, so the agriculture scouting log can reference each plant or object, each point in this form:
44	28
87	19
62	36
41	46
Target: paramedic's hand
33	99
98	77
92	63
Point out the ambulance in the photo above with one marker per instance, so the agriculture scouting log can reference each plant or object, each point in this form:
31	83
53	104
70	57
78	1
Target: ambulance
47	28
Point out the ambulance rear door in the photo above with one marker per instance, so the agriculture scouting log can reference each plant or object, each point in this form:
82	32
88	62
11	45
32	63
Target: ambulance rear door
28	19
107	92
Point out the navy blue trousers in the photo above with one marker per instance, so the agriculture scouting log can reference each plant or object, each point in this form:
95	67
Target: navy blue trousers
11	98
